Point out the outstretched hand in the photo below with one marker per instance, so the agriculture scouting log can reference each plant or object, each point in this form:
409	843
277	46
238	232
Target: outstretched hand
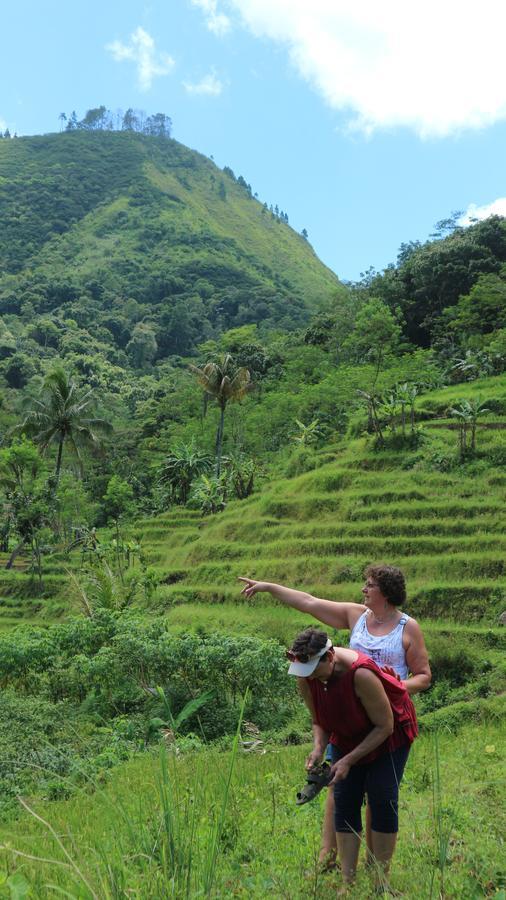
252	587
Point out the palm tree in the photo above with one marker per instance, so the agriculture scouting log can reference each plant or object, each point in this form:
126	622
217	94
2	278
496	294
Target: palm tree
224	383
61	415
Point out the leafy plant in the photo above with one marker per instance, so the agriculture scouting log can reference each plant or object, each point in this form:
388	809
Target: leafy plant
307	435
183	465
467	413
172	723
474	364
372	400
30	503
209	494
390	407
241	473
96	587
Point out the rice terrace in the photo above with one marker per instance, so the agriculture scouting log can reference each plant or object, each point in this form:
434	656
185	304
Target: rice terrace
190	397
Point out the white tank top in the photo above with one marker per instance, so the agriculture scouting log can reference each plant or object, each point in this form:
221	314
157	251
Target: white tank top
384	649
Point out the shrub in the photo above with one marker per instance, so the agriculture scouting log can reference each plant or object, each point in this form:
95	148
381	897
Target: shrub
303	459
455	662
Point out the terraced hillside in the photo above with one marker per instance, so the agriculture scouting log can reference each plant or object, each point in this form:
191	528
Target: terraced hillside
442	522
319	530
23	599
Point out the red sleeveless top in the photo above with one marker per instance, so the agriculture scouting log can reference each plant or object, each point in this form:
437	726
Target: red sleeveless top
340	712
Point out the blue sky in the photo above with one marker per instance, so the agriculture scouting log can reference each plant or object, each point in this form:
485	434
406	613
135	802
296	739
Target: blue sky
365	122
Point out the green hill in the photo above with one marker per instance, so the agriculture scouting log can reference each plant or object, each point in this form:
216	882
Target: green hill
110	227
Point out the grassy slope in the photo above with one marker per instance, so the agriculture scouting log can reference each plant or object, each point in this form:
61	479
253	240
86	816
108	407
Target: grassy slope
318	530
118	840
446	530
96	176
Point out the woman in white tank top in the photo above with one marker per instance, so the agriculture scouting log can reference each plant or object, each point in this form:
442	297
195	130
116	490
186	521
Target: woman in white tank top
385	649
379	629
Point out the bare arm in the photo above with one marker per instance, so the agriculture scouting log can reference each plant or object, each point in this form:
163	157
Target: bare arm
371	693
320	737
305	692
417	659
337	615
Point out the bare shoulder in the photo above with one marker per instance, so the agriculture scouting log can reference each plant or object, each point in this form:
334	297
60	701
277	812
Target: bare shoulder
355	610
412	628
365	677
359	607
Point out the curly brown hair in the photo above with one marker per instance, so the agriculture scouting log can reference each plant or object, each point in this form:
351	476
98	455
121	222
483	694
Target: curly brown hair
308	643
390	581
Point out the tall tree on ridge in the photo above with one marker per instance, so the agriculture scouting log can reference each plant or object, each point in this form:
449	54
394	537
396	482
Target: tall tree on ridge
223	383
62	415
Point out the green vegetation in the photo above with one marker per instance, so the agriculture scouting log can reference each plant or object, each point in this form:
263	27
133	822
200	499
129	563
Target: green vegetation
152	830
369	425
151	243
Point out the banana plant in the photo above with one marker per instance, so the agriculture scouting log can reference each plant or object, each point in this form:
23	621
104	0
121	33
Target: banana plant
373	402
390	408
170	723
307	434
467	414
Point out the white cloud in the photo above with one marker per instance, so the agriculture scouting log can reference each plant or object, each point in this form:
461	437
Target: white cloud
3	125
216	21
141	50
435	67
496	208
209	84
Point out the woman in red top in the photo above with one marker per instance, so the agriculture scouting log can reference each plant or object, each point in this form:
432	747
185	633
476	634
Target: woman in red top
370	720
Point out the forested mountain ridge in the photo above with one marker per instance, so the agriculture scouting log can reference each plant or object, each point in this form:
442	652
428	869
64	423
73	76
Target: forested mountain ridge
113	228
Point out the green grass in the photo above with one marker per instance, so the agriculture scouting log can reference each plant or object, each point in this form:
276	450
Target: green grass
151	829
318	530
492	389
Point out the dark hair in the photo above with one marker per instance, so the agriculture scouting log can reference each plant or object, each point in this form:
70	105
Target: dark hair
308	643
390	581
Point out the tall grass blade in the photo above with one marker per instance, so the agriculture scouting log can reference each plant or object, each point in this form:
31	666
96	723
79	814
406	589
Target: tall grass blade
442	830
62	847
217	831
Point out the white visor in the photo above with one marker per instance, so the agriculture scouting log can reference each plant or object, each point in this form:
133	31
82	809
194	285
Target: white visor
304	669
